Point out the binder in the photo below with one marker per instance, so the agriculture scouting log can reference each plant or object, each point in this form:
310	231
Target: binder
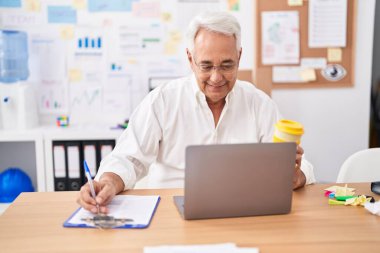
59	166
90	155
105	148
74	171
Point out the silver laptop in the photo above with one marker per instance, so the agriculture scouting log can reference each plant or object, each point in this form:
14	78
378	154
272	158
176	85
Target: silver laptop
235	180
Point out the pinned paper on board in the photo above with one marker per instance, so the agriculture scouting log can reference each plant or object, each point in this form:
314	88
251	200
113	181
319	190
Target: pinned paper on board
75	75
308	74
79	4
313	62
280	37
295	2
67	32
327	23
33	5
282	74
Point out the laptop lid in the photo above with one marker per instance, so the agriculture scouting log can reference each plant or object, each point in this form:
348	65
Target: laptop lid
234	180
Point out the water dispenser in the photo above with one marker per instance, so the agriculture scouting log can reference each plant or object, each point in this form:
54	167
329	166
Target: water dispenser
18	105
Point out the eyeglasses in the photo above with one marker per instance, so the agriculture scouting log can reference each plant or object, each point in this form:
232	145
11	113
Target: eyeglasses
225	68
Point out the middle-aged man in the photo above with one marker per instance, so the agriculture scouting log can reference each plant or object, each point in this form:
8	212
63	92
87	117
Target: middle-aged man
209	107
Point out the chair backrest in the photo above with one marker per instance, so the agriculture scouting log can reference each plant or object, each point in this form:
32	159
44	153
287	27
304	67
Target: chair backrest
362	166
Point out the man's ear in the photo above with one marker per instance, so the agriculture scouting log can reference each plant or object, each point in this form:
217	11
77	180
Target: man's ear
241	50
189	57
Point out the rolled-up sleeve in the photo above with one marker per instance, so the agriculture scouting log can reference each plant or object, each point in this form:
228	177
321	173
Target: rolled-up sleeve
137	147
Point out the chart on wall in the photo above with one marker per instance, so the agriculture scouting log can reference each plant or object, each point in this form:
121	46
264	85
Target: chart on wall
89	58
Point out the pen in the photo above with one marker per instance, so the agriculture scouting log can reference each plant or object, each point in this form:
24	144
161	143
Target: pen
89	180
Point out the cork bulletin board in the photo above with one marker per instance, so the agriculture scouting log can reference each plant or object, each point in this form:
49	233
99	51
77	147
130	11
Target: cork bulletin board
263	72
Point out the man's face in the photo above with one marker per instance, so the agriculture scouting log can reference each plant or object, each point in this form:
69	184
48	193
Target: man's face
215	62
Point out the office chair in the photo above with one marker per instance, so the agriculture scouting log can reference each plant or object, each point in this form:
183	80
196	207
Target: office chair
362	166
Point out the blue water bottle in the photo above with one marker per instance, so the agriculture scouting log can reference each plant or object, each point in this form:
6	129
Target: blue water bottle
13	56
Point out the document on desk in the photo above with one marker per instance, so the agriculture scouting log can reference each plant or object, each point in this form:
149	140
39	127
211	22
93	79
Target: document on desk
139	210
205	248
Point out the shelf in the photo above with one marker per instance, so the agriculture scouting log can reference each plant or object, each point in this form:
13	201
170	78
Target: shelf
40	167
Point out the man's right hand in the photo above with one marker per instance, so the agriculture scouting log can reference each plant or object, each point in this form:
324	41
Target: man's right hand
109	185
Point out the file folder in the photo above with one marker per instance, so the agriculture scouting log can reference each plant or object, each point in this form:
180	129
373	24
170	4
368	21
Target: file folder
74	166
59	166
106	147
90	156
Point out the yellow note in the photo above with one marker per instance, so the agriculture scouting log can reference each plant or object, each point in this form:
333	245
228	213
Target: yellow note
132	61
166	17
33	5
75	75
67	32
175	36
334	54
171	48
308	75
295	2
79	4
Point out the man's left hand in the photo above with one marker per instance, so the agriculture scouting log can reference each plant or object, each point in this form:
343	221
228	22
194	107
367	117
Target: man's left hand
299	178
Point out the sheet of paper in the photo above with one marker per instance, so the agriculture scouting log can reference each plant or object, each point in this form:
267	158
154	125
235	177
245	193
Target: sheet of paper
205	248
313	62
280	37
138	208
308	74
287	74
327	23
374	208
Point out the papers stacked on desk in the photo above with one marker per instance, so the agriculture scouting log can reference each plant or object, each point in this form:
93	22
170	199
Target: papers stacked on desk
140	209
206	248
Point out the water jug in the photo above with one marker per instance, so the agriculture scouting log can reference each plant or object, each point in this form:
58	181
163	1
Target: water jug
13	56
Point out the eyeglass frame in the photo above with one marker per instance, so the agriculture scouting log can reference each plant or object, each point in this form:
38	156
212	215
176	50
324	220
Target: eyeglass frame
233	66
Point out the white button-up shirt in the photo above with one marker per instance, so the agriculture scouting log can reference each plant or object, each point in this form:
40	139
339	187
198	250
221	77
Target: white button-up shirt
176	115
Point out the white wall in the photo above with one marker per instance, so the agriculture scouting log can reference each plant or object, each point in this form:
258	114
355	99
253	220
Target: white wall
336	120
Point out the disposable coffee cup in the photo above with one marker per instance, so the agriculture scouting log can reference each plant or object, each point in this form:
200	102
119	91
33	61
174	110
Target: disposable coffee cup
288	131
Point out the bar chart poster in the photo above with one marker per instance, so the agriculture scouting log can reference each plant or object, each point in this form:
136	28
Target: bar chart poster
88	42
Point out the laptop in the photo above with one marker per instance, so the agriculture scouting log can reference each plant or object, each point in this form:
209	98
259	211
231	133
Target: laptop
236	180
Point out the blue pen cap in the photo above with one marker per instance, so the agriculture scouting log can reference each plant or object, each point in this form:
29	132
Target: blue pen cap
13	181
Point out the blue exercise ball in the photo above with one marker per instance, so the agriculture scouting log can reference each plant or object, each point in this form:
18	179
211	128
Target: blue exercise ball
13	181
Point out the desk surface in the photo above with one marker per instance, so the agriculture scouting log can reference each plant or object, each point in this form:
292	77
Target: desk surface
33	223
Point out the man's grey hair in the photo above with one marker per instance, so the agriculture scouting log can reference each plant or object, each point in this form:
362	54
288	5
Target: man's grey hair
219	22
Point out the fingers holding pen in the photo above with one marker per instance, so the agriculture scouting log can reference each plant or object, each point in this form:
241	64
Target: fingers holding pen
85	199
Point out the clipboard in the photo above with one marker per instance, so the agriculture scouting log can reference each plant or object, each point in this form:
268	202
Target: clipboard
140	209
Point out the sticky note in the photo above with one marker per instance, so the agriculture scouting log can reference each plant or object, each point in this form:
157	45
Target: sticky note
334	188
344	191
295	2
33	5
233	5
67	32
10	3
171	48
107	5
334	54
62	14
79	4
166	17
308	75
75	75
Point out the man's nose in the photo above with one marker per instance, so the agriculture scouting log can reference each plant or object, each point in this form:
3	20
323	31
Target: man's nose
216	76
